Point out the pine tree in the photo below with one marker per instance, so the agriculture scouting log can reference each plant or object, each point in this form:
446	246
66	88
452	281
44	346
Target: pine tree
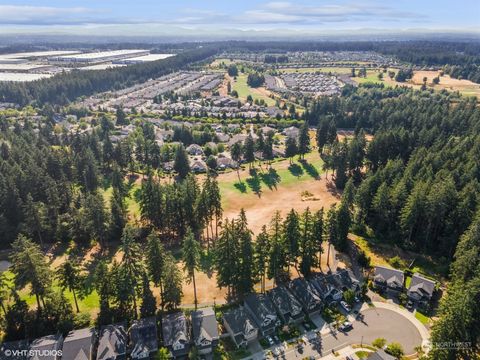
262	250
318	233
149	304
172	290
331	230
156	258
30	268
181	165
130	270
68	275
191	252
118	211
290	148
343	226
291	231
308	250
249	150
245	279
236	152
278	257
303	140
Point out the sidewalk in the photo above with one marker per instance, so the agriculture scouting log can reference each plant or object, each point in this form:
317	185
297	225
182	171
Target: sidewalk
343	353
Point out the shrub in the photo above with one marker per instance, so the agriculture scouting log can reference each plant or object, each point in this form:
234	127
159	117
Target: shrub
395	349
379	343
363	260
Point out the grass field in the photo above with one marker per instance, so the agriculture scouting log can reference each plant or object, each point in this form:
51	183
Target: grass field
243	90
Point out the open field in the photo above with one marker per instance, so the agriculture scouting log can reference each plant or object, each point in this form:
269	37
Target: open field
264	191
243	90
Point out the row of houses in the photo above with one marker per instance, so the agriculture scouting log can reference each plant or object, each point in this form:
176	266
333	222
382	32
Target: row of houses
262	314
116	341
392	281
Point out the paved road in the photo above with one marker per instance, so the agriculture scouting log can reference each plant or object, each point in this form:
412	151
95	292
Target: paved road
373	323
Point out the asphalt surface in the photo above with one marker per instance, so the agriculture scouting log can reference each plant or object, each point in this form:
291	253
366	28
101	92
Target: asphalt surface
371	324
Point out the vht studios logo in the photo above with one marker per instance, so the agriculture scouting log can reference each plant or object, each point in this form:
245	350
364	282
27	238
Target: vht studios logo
32	353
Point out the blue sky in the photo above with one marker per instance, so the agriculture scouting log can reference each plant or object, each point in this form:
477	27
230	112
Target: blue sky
163	17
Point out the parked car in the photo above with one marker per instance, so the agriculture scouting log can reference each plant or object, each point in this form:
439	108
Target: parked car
346	326
276	339
270	340
410	304
345	306
357	299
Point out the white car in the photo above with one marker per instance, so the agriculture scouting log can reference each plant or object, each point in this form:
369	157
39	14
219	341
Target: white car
345	306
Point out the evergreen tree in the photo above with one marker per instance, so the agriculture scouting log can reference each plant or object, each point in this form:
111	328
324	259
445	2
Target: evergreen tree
30	268
262	250
290	148
278	257
291	230
156	258
303	140
172	290
343	226
191	252
68	275
226	256
309	246
181	165
318	233
236	152
118	211
246	272
149	304
249	150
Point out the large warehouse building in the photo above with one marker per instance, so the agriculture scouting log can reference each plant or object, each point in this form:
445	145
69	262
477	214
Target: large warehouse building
98	57
142	59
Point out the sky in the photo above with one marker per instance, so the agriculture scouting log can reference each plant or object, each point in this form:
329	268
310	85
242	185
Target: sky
160	17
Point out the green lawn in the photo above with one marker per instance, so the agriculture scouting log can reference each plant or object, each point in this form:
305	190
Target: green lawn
243	90
362	354
88	304
422	317
264	179
132	205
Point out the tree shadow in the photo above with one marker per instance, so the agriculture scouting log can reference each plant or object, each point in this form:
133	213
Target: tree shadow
240	186
255	185
310	169
295	170
271	179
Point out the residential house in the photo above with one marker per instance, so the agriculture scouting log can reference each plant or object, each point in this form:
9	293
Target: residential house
205	330
112	344
50	343
308	296
198	166
195	149
288	307
78	344
388	279
263	313
240	326
176	336
421	289
224	162
291	132
329	293
143	338
344	280
380	355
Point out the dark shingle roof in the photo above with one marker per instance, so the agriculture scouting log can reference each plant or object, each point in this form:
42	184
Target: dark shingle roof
389	275
204	325
381	355
175	328
50	342
112	342
422	285
239	321
306	293
143	333
78	344
262	307
285	301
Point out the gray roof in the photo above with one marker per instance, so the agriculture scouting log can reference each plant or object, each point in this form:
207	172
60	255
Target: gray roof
78	344
204	325
262	307
389	276
381	355
306	293
175	328
285	301
50	342
112	342
239	320
143	333
422	285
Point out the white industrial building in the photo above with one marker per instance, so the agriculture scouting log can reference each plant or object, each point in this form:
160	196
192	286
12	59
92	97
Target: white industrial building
100	56
142	59
18	58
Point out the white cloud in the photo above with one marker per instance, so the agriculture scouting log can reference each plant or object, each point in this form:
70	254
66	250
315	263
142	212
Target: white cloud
31	15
